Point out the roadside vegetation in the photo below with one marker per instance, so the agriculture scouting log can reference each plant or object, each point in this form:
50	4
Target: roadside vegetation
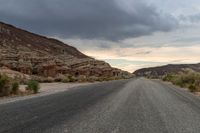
69	78
33	86
9	86
74	79
15	87
82	78
188	79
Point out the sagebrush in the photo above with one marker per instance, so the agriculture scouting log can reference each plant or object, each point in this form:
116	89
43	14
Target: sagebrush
188	79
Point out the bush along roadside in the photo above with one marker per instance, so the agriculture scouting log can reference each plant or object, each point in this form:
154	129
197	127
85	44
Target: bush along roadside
8	86
69	78
15	87
33	86
188	79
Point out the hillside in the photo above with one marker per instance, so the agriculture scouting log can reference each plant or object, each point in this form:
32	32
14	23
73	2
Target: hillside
39	56
167	69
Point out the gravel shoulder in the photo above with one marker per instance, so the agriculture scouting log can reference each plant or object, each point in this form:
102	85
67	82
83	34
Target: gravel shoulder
45	89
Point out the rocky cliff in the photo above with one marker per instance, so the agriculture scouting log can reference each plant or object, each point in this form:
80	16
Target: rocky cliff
32	54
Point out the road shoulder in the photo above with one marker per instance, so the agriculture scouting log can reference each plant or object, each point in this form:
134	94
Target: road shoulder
46	89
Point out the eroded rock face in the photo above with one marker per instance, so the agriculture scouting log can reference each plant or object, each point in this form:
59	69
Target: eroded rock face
32	54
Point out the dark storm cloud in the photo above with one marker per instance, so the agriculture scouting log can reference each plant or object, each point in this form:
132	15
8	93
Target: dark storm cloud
87	19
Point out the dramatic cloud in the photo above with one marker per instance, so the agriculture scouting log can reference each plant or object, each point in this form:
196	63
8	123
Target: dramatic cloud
88	19
129	34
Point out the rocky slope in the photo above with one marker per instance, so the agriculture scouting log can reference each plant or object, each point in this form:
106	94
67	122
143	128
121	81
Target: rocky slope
36	55
167	69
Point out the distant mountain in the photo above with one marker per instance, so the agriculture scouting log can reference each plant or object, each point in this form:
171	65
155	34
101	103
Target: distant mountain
167	69
32	54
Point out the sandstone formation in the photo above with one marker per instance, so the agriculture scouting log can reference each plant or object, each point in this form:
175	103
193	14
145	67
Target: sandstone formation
36	55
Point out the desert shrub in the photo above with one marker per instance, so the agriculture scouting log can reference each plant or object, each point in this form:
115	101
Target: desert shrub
192	88
15	87
100	79
33	86
65	80
168	77
92	79
188	79
72	78
69	78
177	80
82	78
5	88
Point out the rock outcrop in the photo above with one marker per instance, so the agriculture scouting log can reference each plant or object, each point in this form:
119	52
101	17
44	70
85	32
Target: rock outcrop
161	71
32	54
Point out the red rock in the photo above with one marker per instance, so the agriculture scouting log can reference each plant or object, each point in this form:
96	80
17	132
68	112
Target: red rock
32	54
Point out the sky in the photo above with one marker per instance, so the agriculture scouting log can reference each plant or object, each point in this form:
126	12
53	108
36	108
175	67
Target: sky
128	34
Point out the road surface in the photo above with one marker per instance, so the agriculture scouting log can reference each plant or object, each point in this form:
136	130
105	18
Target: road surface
126	106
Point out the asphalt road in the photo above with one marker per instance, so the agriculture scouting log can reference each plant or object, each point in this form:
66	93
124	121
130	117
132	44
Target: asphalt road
126	106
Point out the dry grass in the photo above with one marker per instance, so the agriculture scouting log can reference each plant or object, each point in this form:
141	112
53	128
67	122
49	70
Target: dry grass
188	79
